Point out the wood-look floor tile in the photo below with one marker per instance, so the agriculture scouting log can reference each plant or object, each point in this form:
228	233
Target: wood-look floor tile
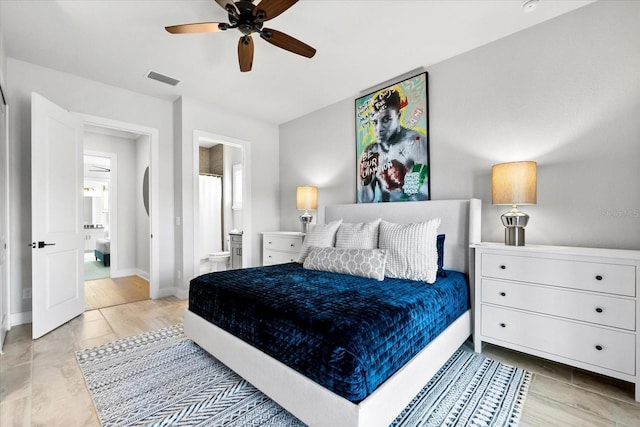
605	385
584	400
542	412
530	363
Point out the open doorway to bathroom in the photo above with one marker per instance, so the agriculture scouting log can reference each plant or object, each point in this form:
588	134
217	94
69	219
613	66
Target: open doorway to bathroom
220	213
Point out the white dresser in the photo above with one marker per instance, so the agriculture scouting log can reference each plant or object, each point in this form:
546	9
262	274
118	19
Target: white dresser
577	306
279	247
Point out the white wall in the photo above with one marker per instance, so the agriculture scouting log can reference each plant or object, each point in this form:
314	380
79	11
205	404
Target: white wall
233	218
192	115
86	97
125	258
143	250
564	93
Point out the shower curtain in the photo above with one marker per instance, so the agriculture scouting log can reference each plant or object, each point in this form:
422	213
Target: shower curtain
210	215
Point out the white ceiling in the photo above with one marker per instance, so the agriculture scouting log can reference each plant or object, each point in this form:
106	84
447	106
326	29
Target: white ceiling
359	45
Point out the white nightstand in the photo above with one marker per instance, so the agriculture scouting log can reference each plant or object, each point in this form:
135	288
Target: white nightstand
576	306
279	247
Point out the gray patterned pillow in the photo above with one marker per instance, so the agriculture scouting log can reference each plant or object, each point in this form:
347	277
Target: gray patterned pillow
356	262
411	248
363	235
321	235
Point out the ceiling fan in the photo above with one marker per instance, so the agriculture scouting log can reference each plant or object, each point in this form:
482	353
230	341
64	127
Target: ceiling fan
249	18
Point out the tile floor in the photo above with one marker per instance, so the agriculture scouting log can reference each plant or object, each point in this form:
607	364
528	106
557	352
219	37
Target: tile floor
41	383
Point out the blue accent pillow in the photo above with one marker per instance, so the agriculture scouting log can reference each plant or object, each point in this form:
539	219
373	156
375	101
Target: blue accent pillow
440	249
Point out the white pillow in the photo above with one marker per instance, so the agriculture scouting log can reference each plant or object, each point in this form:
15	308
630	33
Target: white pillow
363	235
321	236
356	262
411	249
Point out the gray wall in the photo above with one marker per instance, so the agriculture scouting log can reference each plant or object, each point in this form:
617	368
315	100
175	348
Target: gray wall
564	93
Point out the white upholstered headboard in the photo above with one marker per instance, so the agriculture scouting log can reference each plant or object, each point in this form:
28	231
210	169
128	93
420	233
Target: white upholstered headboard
460	222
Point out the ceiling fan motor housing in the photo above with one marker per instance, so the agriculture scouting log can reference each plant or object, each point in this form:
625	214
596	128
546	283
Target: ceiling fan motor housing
244	20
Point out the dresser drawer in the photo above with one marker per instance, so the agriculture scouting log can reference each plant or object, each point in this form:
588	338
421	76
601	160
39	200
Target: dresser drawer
595	308
277	257
282	243
592	276
615	350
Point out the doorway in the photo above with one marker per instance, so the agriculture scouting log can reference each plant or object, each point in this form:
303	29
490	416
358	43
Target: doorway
116	264
132	210
220	219
234	219
56	214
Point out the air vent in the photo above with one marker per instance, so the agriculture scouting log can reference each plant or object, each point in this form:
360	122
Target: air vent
162	78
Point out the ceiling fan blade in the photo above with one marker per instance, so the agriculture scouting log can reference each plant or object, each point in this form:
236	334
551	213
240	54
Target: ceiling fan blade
245	53
287	42
229	6
201	27
269	9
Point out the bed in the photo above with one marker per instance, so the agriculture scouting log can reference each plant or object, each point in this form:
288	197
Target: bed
102	252
317	398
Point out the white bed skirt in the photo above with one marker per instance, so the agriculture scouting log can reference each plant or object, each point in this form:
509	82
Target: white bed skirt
314	404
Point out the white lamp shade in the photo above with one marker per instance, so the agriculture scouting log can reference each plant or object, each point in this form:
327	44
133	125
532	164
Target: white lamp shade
514	183
307	198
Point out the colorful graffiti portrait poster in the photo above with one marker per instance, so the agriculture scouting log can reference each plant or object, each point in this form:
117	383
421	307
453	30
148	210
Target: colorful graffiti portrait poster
392	144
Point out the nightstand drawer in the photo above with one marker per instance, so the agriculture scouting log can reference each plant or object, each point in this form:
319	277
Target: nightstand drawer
601	347
591	276
594	308
276	257
282	243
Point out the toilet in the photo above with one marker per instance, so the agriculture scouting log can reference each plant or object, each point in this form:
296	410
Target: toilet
218	260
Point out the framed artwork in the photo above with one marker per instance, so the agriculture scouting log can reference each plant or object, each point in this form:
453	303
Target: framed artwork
392	143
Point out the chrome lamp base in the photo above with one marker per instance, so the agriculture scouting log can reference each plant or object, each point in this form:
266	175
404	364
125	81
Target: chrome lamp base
514	222
305	220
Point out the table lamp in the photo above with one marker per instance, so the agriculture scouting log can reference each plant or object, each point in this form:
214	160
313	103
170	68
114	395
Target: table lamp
306	199
514	184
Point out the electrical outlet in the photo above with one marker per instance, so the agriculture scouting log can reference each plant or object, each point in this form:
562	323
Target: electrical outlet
26	293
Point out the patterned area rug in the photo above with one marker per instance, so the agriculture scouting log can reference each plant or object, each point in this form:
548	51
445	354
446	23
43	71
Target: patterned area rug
162	378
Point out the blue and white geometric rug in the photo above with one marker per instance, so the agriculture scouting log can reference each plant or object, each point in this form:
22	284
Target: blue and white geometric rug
162	378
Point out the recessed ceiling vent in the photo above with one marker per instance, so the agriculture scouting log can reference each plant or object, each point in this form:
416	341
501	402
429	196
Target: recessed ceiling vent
162	78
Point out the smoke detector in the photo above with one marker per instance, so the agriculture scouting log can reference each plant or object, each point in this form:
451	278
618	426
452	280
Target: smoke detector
529	5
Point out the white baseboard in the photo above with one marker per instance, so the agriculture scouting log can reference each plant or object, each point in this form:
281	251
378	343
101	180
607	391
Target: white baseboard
20	318
124	272
181	293
143	274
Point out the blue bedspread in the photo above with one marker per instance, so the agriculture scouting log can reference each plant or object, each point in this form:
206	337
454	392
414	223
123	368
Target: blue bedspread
348	334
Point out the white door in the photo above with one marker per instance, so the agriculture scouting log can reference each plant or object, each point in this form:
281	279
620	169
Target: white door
56	215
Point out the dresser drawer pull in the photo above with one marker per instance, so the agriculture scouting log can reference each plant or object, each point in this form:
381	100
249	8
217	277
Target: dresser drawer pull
598	310
598	277
503	267
292	245
599	347
503	325
270	243
503	294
